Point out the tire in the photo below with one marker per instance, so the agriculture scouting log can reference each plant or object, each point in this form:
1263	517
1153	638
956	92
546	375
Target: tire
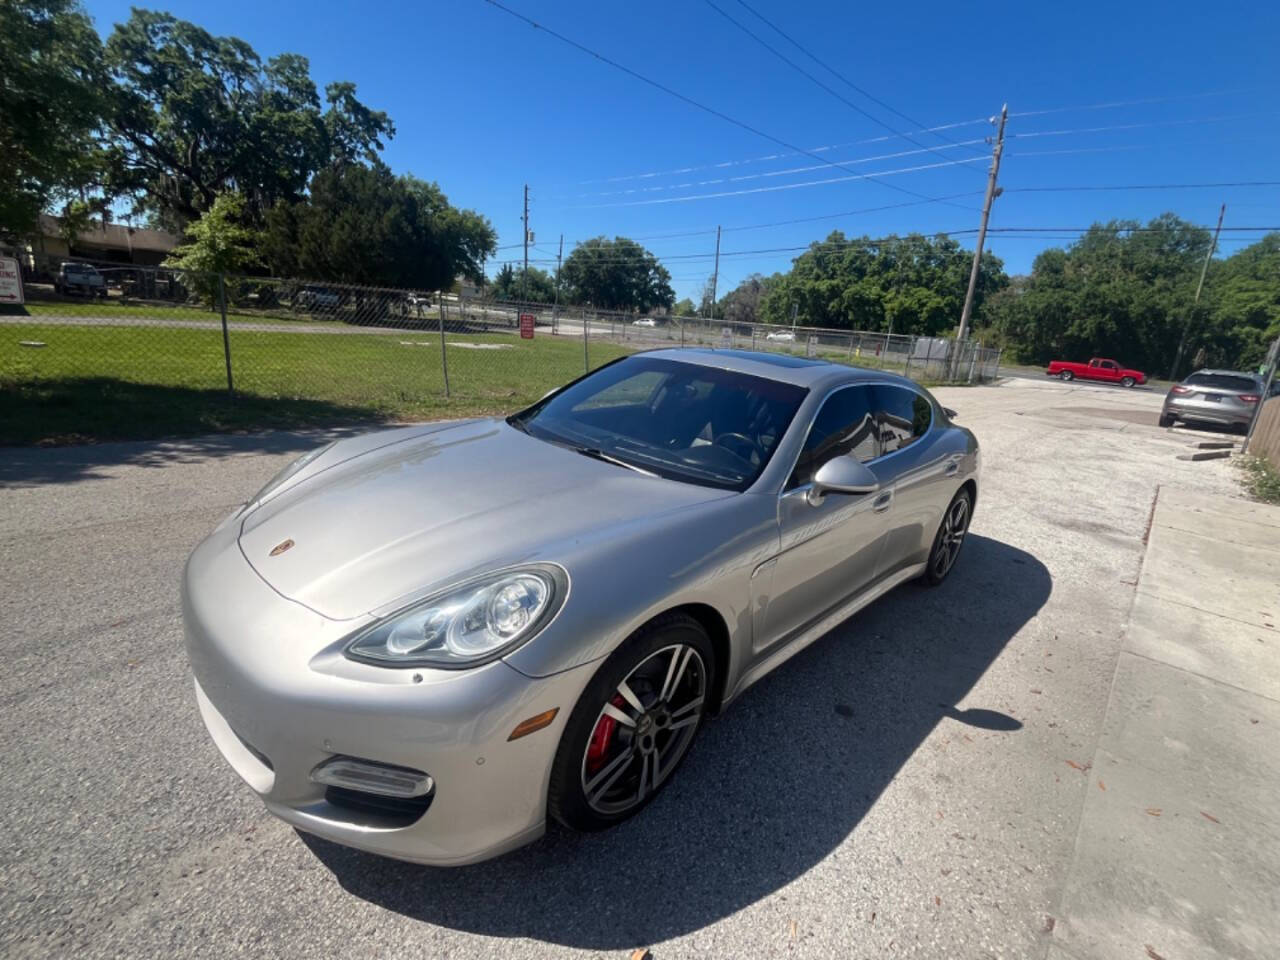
1166	420
606	771
1127	382
1066	376
949	538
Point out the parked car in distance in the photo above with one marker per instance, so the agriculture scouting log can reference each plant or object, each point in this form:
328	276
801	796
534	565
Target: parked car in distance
309	298
80	278
1224	397
609	567
784	335
1099	368
644	322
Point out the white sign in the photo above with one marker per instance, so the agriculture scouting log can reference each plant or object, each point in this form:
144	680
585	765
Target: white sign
726	338
811	346
10	281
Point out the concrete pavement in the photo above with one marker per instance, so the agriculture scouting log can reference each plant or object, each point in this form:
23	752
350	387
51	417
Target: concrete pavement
1178	853
901	788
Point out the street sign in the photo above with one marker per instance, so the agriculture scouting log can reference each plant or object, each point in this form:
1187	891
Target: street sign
726	338
10	281
526	326
811	346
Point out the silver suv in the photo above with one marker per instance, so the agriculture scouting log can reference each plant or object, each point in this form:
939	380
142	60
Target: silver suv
1223	397
80	278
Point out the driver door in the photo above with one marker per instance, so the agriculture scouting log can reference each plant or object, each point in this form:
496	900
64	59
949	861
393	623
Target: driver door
828	551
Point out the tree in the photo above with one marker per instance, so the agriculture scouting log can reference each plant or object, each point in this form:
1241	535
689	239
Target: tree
512	284
742	303
684	308
365	225
1121	290
192	115
50	106
218	243
616	274
912	284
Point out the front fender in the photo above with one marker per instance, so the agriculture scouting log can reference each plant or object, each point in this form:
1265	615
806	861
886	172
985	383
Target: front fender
620	580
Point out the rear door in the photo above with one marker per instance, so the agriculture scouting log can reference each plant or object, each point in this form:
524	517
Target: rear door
917	472
828	551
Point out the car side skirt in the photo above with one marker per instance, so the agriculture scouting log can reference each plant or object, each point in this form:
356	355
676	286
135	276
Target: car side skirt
823	625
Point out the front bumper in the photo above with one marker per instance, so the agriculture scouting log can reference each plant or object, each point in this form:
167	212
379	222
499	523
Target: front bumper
278	698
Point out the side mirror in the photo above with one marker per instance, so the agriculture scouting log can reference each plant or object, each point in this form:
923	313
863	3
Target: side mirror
844	474
951	414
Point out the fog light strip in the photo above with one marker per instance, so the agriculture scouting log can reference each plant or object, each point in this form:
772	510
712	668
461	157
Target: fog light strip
370	777
533	724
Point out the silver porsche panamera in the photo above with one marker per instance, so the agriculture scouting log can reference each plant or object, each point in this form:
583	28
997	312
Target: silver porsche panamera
423	642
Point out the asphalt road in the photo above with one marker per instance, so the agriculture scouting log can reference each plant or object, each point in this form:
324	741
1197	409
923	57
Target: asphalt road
909	786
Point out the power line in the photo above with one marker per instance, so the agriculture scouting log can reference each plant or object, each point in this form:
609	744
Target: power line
1111	104
724	164
1146	186
689	100
768	173
835	73
805	73
791	186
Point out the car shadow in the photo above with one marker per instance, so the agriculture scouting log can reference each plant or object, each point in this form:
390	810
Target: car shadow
65	430
770	789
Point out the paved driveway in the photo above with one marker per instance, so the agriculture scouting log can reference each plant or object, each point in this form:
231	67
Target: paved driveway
911	785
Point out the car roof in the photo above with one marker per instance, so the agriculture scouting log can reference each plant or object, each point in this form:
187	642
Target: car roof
807	372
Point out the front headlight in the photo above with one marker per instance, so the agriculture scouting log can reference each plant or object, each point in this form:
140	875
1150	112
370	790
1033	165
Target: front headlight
467	625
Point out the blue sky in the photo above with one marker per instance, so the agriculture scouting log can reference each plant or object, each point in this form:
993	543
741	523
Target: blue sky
483	104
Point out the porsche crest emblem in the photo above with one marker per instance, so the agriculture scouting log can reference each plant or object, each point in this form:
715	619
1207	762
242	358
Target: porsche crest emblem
281	547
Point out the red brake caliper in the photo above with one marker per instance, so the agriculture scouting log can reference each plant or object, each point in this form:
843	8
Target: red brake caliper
601	737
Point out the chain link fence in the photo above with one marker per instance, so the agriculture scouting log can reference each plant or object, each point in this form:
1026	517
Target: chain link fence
143	352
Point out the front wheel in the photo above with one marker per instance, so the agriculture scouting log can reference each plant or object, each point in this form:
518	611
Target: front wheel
632	725
1127	381
949	539
1066	375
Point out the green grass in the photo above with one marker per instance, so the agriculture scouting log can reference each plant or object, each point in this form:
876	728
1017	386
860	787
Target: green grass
1261	479
114	383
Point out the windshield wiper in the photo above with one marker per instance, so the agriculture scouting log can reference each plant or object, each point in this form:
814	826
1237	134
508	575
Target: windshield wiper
597	454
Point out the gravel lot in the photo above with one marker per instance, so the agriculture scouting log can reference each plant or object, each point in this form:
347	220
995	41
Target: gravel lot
903	788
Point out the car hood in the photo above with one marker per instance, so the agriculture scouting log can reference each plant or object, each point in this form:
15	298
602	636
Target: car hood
377	529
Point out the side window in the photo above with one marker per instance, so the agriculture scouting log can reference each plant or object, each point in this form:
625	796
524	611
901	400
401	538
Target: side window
843	425
902	416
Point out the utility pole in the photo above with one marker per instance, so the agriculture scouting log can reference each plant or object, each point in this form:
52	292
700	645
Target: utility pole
795	309
524	277
1204	268
715	276
992	192
555	314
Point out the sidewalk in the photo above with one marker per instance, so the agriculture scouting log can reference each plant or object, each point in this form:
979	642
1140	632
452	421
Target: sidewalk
1178	854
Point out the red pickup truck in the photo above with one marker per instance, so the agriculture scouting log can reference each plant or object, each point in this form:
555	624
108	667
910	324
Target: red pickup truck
1098	368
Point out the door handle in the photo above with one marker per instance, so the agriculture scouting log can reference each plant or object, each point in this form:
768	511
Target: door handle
882	502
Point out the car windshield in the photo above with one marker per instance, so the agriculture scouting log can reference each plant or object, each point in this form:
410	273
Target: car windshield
1222	381
83	268
682	421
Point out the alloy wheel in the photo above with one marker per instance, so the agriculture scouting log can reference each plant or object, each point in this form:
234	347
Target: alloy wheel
954	526
644	729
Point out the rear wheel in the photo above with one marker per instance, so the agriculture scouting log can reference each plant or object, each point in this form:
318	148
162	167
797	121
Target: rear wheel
632	725
949	539
1166	420
1066	375
1127	381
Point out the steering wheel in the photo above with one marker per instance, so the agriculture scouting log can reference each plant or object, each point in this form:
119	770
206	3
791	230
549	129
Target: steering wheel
741	439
